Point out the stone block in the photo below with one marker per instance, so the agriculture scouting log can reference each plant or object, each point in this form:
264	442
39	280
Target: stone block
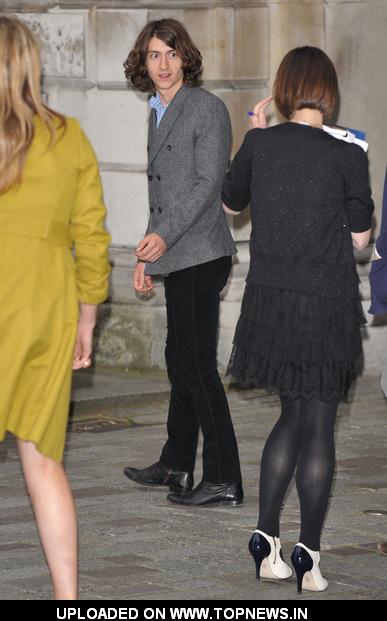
357	44
125	337
126	198
116	32
223	43
226	336
374	346
201	24
161	13
241	226
115	121
235	287
229	313
293	25
251	43
62	40
239	101
316	2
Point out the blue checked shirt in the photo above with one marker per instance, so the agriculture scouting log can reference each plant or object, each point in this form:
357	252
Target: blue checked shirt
156	103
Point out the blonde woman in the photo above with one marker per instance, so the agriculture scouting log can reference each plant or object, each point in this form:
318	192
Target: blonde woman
50	204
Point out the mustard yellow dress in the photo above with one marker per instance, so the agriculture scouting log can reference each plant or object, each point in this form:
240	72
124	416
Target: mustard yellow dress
53	254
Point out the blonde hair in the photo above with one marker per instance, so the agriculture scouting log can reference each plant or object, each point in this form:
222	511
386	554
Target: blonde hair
20	99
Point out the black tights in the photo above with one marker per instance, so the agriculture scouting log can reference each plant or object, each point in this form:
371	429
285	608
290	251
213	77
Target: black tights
302	438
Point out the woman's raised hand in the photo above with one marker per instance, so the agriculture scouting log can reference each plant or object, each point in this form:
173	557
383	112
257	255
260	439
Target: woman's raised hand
258	117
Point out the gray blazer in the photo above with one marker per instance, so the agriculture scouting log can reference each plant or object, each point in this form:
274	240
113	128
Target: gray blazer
187	158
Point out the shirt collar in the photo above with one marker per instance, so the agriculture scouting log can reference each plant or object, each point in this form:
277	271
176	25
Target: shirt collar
156	103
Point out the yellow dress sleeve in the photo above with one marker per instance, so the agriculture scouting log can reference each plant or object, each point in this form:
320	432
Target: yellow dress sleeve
91	240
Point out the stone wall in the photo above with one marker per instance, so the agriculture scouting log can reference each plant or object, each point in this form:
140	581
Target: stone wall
84	44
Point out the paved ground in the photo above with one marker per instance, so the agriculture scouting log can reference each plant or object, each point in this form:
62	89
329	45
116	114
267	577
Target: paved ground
134	545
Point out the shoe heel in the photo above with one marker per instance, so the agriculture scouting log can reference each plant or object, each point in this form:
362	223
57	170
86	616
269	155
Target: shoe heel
179	490
259	549
300	573
302	563
231	503
258	559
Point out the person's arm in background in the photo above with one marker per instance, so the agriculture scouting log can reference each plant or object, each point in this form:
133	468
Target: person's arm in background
381	242
91	242
378	272
211	153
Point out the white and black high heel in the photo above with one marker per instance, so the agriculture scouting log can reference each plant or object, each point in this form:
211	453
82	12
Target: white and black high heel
306	565
267	554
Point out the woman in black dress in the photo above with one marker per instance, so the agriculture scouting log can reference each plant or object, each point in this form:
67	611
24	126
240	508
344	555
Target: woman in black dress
299	329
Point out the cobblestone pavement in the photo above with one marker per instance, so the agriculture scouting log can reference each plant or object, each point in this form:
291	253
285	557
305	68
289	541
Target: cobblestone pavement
135	545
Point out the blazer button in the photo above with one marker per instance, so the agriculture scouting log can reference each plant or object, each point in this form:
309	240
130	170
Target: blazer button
150	177
151	209
148	149
169	147
159	209
158	177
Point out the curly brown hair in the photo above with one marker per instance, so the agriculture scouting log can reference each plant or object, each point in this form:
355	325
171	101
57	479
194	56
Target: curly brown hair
173	34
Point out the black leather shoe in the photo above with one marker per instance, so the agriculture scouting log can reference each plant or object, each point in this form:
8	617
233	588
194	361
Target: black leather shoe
157	474
228	494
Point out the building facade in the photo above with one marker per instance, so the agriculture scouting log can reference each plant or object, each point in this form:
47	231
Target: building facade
84	44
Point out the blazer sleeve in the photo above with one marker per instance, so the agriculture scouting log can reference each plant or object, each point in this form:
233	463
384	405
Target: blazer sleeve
211	154
236	192
359	205
88	232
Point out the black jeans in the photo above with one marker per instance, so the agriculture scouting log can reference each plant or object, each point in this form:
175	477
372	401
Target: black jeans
197	394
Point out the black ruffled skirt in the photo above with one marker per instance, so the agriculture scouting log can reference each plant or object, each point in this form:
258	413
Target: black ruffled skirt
300	346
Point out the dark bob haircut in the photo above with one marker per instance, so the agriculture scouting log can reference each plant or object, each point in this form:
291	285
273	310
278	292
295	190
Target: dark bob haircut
306	78
173	34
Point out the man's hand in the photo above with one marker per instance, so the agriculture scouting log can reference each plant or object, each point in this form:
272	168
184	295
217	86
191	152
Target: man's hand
142	283
151	248
258	118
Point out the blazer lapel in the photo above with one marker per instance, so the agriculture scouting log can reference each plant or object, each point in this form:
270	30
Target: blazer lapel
158	136
151	129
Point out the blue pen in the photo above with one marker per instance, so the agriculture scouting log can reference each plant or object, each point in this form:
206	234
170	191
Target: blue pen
358	133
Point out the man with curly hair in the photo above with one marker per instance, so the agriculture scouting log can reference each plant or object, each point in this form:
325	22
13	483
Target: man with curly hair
188	242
